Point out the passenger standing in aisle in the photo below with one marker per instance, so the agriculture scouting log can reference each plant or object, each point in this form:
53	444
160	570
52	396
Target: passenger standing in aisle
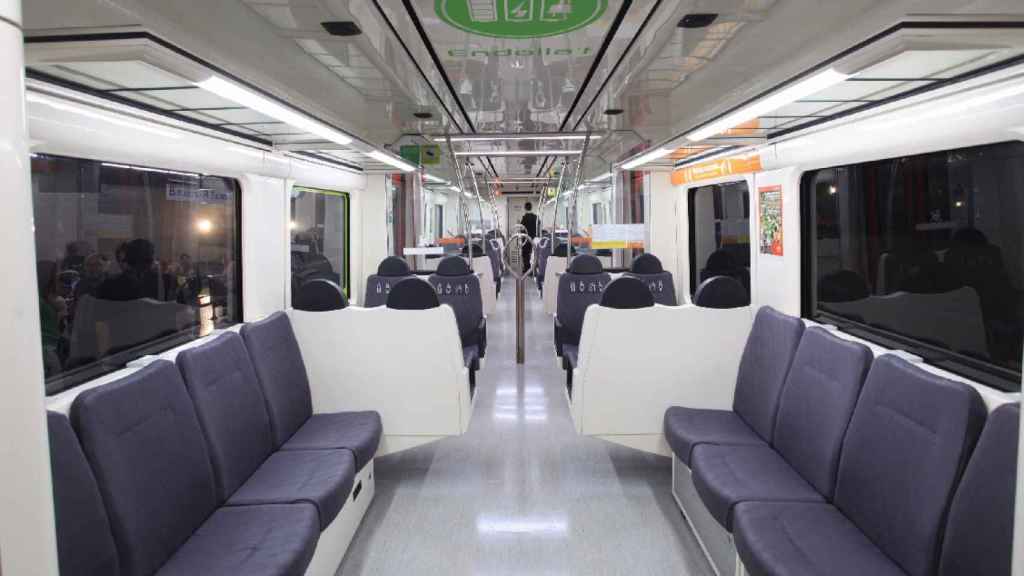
529	221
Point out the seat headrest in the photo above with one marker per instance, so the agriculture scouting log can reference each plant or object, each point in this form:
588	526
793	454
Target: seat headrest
412	294
453	266
544	242
627	293
319	295
721	260
585	264
646	264
393	266
721	292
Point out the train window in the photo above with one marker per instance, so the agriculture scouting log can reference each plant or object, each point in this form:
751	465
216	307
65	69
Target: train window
130	261
720	233
924	252
319	237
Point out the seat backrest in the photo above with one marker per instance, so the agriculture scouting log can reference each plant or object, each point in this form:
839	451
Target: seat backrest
413	294
457	286
627	293
582	285
223	385
319	296
908	442
85	544
647	268
721	292
817	402
281	373
979	533
391	271
764	367
146	448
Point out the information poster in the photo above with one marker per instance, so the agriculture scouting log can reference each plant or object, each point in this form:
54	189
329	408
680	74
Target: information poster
770	202
618	236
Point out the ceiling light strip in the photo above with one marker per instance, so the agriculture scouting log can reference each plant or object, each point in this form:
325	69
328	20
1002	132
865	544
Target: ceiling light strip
513	137
263	105
522	153
385	158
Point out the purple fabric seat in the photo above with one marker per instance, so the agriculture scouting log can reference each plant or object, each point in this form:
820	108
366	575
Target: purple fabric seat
323	478
907	443
229	402
763	369
85	545
979	532
272	540
687	428
817	402
146	447
282	376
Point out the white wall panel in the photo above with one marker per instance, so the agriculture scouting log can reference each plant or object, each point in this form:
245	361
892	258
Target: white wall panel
265	246
775	280
664	228
27	544
373	215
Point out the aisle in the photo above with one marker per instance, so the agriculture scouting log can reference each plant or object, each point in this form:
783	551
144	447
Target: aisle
521	492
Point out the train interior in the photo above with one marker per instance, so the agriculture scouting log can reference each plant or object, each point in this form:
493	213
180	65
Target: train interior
496	287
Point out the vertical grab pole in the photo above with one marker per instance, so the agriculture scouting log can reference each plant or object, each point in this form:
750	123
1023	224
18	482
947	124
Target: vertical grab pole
520	320
462	188
576	193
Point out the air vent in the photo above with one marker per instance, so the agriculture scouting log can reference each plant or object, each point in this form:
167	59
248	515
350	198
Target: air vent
697	20
341	28
423	115
613	112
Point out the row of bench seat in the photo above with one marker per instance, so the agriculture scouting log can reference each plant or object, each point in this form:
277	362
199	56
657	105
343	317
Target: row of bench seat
216	465
836	462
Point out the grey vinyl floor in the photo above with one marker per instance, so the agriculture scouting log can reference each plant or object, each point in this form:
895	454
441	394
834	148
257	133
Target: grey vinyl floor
521	492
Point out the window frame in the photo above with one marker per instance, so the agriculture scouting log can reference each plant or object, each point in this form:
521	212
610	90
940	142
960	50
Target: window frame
346	271
987	373
80	375
691	217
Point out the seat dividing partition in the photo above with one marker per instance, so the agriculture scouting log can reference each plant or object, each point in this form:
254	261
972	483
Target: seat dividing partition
146	449
350	356
554	267
663	356
906	446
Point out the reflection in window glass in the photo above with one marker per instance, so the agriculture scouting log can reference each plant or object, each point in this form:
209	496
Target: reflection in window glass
319	237
131	261
720	233
927	250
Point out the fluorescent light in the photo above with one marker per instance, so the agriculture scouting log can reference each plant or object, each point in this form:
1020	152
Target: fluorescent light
432	178
89	113
488	138
602	177
454	188
788	95
263	105
522	153
385	158
648	157
467	194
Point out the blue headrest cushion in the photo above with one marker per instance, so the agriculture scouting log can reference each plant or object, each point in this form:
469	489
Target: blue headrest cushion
627	293
585	264
412	294
721	292
453	266
319	295
393	266
647	264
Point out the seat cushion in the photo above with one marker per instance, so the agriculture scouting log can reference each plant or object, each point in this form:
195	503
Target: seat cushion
804	539
146	449
85	545
358	432
724	476
232	411
270	540
979	533
570	356
276	357
323	478
686	428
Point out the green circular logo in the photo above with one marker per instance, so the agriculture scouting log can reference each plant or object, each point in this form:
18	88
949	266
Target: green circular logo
520	18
